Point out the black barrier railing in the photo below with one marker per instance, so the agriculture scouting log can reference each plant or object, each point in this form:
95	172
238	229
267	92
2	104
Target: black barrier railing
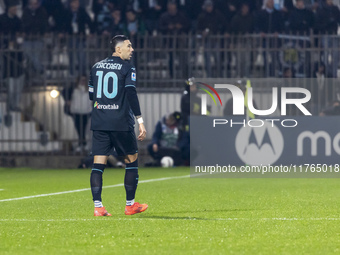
164	60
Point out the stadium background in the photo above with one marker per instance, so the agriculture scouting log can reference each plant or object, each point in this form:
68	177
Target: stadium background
49	211
164	61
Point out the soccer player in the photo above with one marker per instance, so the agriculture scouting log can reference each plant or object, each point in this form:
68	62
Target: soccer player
112	87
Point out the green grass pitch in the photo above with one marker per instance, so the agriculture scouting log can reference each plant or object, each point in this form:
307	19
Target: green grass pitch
185	215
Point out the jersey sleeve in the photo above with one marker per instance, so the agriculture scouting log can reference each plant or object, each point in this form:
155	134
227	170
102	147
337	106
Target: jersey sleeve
130	79
131	93
90	87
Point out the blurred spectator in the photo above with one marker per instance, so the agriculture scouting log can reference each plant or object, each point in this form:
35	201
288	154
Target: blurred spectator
326	22
333	110
67	96
243	21
152	10
284	7
301	20
98	6
190	105
116	25
2	7
102	18
228	8
269	20
35	19
327	18
190	102
134	5
10	24
83	3
320	88
191	9
35	25
24	3
210	22
13	73
165	139
173	21
55	9
254	5
80	109
320	72
287	73
76	20
133	24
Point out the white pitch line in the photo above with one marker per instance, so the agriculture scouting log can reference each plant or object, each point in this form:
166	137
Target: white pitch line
175	218
1	189
80	190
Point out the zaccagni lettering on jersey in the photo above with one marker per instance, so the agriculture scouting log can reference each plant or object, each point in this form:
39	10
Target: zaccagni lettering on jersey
109	66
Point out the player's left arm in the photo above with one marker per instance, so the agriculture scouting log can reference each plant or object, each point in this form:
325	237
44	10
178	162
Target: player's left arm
90	87
131	93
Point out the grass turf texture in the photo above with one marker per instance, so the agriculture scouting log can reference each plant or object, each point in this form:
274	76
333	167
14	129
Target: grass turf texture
185	215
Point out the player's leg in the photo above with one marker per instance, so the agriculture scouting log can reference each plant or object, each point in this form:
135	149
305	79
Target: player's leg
96	180
130	184
101	147
99	164
126	146
131	178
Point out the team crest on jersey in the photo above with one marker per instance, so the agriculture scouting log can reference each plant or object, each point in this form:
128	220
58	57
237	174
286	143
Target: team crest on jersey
133	76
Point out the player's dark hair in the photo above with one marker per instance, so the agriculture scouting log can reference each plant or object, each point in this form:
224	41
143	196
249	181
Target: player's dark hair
117	39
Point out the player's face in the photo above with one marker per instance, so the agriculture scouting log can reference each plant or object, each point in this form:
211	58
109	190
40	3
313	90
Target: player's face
126	50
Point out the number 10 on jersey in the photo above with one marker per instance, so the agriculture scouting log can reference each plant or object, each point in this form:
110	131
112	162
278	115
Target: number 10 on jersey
105	88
